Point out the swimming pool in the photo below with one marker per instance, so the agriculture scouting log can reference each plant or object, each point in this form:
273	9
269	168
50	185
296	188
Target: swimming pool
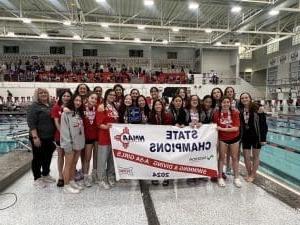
280	158
10	127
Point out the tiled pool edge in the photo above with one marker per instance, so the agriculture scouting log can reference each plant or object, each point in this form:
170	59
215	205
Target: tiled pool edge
12	166
276	190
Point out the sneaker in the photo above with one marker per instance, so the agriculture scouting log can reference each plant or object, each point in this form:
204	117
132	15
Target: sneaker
40	183
237	182
49	179
60	183
87	181
73	184
104	184
221	182
111	181
68	189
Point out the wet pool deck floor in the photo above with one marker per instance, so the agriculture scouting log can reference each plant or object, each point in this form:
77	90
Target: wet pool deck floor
204	203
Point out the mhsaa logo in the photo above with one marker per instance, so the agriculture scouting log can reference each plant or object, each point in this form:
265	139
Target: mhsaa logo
125	138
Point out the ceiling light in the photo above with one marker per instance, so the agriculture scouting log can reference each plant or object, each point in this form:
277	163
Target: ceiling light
10	34
104	25
43	35
100	1
67	23
137	40
273	12
107	38
76	36
26	20
165	41
141	27
193	5
148	2
237	43
175	29
219	43
208	30
236	9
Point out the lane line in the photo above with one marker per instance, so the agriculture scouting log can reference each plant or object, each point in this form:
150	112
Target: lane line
148	204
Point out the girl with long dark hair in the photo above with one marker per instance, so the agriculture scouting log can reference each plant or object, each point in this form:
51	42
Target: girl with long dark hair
90	130
105	116
216	95
56	112
72	140
253	133
228	125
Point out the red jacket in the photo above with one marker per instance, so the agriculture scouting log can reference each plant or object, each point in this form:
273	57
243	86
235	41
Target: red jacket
104	117
227	120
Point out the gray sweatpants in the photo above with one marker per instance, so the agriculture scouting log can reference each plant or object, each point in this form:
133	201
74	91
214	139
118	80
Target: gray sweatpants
105	163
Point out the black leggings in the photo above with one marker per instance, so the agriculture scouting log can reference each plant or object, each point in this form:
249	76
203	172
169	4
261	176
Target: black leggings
42	157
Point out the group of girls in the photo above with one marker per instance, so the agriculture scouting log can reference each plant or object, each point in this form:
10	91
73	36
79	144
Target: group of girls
83	119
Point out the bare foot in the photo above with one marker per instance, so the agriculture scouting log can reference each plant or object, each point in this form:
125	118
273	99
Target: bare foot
247	178
251	179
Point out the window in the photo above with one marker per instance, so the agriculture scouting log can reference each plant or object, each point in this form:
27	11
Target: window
11	49
89	52
54	50
136	53
273	47
172	55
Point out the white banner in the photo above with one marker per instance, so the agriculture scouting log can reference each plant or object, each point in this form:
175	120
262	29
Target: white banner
154	152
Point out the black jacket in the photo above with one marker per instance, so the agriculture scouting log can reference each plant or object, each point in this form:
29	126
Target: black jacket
260	125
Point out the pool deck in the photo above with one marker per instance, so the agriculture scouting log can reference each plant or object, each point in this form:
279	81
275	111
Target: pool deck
139	203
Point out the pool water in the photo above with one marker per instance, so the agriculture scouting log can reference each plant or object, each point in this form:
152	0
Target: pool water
12	125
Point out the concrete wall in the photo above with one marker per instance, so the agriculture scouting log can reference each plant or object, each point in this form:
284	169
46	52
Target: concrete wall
221	61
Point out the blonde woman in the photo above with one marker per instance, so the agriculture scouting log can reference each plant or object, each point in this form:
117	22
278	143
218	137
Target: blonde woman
41	136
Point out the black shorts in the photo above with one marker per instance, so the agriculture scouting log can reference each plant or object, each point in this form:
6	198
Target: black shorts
88	142
248	144
232	141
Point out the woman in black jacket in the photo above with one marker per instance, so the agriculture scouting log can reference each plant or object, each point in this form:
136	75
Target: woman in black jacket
254	130
179	114
41	136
